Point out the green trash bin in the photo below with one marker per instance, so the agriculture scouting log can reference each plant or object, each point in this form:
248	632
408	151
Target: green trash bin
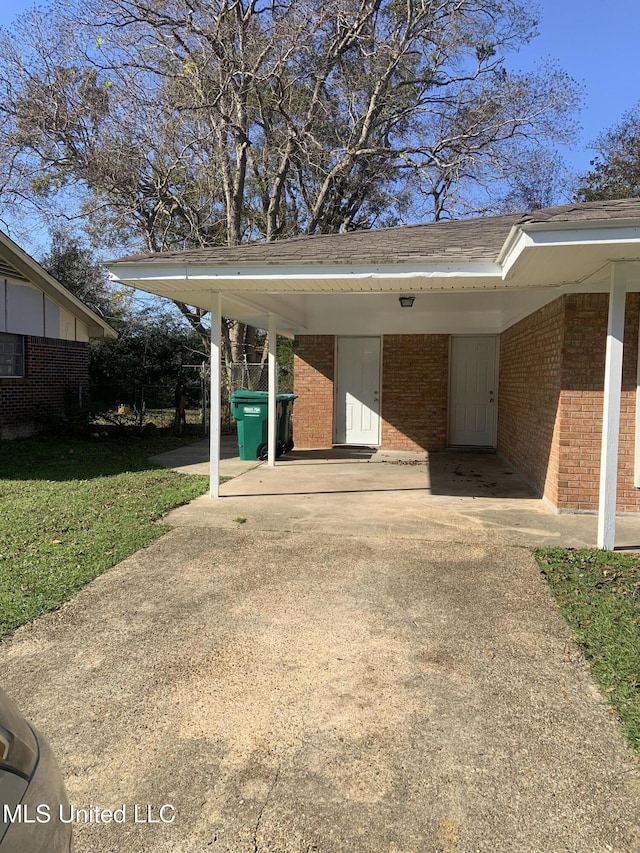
250	410
285	421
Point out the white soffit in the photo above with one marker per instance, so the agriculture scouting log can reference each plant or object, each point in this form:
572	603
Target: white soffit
471	312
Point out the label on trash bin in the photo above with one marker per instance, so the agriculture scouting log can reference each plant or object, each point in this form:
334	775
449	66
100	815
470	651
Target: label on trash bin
252	411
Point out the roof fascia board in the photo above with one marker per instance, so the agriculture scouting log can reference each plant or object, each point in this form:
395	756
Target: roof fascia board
587	233
212	273
514	246
32	270
513	236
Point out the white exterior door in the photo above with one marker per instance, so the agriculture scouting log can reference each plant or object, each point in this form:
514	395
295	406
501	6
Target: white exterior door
472	395
358	391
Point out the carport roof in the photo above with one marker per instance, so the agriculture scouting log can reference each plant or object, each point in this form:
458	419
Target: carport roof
465	238
478	239
472	276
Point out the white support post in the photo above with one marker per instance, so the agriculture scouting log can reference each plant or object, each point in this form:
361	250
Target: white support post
214	397
271	438
611	412
636	473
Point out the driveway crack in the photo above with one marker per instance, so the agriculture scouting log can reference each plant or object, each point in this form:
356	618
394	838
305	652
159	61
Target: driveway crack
256	848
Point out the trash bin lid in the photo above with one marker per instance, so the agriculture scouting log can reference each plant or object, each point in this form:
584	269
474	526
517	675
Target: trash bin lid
249	396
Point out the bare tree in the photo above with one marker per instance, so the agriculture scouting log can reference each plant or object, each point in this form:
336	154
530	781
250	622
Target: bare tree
615	170
182	123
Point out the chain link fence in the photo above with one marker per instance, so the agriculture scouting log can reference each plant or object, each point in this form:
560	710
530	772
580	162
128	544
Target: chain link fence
246	377
184	405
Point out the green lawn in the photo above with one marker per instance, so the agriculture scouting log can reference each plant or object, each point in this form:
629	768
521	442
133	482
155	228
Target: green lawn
599	595
72	509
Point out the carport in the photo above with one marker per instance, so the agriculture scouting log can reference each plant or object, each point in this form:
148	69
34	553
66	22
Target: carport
476	277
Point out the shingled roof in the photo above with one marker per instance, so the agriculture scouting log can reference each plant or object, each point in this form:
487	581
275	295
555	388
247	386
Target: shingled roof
478	239
622	208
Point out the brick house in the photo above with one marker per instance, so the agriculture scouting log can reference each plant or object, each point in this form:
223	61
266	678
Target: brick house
514	333
44	335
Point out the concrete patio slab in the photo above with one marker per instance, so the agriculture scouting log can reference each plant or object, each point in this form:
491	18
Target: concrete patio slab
194	458
449	496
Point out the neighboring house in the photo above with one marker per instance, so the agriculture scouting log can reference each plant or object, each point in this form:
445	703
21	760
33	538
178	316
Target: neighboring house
505	346
44	350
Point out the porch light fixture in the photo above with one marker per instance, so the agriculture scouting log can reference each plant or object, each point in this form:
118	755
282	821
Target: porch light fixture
407	301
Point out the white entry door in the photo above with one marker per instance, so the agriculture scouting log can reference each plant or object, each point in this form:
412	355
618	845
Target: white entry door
358	391
472	406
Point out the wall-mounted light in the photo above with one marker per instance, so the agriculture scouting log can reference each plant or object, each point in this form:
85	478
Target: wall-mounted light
407	301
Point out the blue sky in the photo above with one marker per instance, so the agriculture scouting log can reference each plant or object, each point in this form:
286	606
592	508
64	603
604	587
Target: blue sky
597	44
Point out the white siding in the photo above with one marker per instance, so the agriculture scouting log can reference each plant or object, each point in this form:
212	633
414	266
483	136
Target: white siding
82	332
25	310
67	326
51	319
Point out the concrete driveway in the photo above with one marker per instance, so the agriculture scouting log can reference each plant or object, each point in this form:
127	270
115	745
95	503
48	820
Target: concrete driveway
337	680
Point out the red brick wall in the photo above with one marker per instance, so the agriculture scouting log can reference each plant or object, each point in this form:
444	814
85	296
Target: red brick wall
414	391
529	392
415	382
551	397
53	369
313	374
582	400
628	499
